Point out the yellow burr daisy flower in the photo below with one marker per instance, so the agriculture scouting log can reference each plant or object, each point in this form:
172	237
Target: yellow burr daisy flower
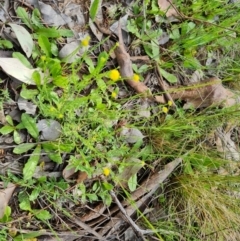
85	41
165	110
106	171
114	75
114	95
136	78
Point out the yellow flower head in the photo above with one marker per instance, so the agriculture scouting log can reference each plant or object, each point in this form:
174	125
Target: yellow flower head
85	41
170	103
52	109
165	110
60	116
114	95
136	78
106	171
114	75
43	57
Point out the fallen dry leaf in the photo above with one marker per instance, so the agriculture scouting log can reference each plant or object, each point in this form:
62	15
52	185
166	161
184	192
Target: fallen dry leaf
68	173
209	92
95	213
5	195
166	6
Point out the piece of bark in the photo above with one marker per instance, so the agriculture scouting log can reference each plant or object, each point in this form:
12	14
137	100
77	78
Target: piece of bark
125	64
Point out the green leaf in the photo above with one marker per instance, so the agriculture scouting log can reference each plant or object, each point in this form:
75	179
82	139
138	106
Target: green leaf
92	197
23	59
30	124
36	18
107	186
66	32
132	183
37	78
28	94
35	193
102	59
169	77
9	120
21	12
101	84
94	9
48	32
7	214
23	148
27	236
6	130
45	45
54	49
24	38
17	137
24	202
56	157
5	44
42	214
54	66
60	81
56	146
31	164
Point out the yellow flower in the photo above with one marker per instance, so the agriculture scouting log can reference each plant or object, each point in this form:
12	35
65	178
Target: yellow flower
43	57
52	109
165	110
114	75
106	171
170	103
60	116
85	41
136	78
114	95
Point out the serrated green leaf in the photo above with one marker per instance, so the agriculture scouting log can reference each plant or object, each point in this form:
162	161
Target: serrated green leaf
25	205
16	137
9	120
36	18
21	13
28	94
132	182
169	77
30	124
42	214
35	193
102	59
31	164
94	9
22	148
45	45
23	59
6	130
56	157
60	81
36	78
